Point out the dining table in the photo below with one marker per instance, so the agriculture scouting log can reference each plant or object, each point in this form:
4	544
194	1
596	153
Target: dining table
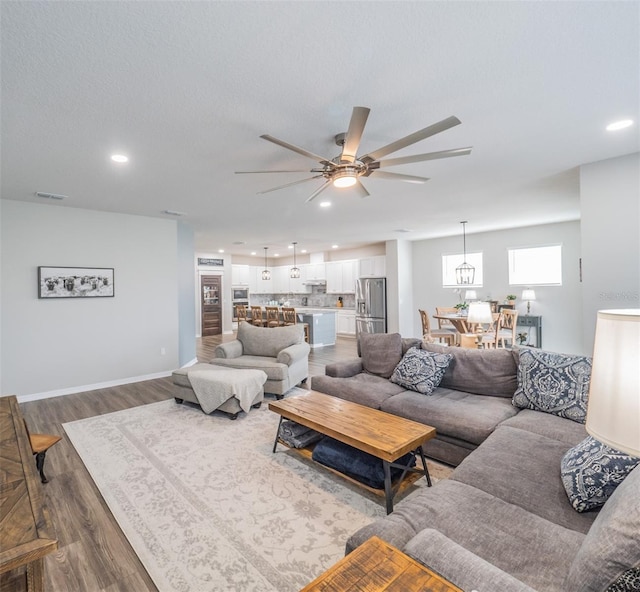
467	332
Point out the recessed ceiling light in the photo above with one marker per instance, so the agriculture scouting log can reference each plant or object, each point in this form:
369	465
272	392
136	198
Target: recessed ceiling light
276	255
119	158
618	125
290	247
220	250
253	253
334	246
325	204
303	251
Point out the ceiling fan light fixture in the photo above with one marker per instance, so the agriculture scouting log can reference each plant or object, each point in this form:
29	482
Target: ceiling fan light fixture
346	177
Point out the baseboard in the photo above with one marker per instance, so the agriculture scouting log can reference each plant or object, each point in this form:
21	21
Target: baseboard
91	387
191	363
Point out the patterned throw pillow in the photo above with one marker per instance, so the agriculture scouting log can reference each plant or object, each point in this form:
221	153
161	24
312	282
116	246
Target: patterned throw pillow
420	370
592	470
553	383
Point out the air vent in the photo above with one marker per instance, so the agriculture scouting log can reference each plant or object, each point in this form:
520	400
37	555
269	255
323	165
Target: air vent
173	213
50	195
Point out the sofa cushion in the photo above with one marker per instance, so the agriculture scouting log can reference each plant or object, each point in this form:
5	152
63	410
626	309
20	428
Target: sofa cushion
381	352
274	370
420	370
553	383
355	463
365	389
548	425
530	548
489	372
268	341
611	547
591	471
453	413
523	469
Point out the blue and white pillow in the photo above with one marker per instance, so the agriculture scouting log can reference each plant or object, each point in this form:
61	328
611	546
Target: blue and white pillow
591	471
553	383
421	370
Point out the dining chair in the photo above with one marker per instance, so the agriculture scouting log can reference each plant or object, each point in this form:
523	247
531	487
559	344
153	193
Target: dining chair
507	326
241	313
272	316
289	316
490	333
40	443
256	316
444	323
449	337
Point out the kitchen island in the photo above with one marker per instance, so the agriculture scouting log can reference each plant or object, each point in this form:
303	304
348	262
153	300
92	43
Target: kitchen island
322	325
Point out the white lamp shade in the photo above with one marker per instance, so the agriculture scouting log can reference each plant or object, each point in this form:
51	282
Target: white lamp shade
613	413
470	295
528	294
480	312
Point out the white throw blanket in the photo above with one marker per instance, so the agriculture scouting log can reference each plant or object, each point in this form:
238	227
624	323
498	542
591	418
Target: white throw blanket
214	387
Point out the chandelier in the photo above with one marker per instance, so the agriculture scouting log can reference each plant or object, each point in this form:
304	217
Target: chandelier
266	274
465	273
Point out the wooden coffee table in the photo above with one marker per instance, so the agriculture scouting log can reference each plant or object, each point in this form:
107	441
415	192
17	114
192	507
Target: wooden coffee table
386	436
376	566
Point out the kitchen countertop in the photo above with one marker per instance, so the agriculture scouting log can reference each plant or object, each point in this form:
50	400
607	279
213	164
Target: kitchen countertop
304	309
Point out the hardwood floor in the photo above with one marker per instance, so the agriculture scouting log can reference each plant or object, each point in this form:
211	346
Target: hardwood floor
93	554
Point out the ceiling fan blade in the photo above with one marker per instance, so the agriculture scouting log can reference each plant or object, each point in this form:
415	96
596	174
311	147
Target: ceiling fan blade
398	177
354	133
422	157
289	184
252	172
318	191
361	189
431	130
320	159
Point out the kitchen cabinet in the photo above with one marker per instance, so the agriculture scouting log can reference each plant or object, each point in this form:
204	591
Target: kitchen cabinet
256	284
280	278
297	285
346	322
341	276
239	275
372	266
315	271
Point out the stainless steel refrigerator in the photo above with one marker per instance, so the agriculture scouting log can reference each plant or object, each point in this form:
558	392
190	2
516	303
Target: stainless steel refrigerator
371	305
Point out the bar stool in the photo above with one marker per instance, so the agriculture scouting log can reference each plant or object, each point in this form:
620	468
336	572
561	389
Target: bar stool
273	316
256	316
241	313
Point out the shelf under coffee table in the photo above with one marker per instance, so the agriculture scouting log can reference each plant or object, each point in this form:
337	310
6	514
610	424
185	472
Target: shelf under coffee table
385	436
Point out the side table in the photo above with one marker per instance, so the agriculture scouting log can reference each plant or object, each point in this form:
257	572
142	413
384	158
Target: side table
376	566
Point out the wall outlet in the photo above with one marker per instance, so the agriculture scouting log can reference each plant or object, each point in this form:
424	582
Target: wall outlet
163	351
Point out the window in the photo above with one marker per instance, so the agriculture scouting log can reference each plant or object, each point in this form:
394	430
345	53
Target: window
535	266
449	264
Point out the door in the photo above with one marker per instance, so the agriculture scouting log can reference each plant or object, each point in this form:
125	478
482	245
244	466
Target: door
211	305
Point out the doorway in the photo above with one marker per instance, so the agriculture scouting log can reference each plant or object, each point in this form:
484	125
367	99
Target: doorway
211	304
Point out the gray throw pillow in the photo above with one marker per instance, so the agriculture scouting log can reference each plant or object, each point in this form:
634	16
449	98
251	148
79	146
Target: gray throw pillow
591	471
420	370
553	383
381	352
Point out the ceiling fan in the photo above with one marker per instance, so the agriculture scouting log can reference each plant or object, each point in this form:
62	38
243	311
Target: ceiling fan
346	169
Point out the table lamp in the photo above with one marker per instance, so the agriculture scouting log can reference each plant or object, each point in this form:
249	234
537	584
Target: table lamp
470	295
479	314
613	411
528	295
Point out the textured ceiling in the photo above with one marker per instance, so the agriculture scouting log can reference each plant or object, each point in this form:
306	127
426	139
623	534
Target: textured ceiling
186	89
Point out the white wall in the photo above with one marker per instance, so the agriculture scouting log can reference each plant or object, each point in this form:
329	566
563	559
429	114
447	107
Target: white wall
399	288
186	295
559	306
69	345
610	206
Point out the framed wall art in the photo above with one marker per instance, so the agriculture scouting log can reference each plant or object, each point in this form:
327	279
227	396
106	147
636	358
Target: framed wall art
75	282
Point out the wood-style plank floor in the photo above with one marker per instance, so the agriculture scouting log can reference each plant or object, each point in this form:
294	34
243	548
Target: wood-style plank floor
93	554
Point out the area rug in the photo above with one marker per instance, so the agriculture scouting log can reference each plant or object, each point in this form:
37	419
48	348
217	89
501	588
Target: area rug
206	504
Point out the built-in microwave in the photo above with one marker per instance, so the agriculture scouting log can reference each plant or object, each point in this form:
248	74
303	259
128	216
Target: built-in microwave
240	294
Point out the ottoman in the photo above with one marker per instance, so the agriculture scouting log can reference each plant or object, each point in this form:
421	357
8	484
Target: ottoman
227	381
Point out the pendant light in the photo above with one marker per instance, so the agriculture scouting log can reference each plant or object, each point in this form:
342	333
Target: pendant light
295	271
465	273
266	274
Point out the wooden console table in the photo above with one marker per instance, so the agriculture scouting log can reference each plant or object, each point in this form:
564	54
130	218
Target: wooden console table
376	566
27	533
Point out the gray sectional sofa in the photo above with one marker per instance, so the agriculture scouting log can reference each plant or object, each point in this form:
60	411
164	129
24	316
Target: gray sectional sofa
503	522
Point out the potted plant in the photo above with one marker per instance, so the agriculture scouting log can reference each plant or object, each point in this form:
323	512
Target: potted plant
461	307
511	299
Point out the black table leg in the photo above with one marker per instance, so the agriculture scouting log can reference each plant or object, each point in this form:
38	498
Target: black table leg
275	443
388	491
424	464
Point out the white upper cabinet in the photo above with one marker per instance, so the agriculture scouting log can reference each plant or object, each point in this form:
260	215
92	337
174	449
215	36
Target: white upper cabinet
372	266
341	276
256	284
240	275
315	271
